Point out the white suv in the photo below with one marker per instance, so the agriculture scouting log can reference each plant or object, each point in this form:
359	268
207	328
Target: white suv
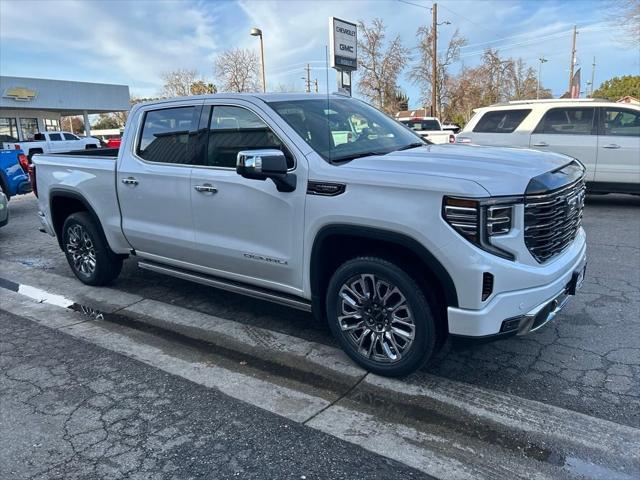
603	135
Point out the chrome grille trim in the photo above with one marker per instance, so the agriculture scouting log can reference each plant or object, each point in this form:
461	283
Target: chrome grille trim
552	220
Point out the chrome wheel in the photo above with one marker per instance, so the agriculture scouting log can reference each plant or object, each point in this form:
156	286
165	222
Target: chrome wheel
376	318
81	250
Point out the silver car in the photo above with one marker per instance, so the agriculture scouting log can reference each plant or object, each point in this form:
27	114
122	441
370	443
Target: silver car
4	209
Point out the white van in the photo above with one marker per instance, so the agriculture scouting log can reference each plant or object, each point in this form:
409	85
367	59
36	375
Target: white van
603	135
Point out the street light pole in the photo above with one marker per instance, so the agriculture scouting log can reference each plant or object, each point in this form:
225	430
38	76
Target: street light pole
541	60
256	32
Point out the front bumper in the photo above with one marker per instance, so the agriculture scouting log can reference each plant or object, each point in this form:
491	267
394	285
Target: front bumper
518	311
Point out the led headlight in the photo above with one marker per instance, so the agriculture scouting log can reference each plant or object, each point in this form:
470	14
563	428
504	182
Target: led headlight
480	220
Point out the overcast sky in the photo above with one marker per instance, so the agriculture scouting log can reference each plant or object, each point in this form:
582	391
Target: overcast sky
133	41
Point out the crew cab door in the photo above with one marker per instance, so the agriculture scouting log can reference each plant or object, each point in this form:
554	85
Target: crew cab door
246	229
56	142
572	131
153	183
619	146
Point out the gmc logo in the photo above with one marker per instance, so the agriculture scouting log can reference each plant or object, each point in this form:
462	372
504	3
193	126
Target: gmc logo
346	48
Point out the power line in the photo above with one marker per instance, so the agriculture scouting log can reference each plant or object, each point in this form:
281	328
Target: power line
467	19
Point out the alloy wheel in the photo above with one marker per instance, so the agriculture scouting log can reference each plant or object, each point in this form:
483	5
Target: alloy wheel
81	250
376	318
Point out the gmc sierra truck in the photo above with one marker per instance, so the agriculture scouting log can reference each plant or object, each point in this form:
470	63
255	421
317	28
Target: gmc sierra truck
394	242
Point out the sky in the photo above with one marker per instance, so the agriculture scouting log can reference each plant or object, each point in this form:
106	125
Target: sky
133	42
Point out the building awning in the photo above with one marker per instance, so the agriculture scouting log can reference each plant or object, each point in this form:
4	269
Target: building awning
65	97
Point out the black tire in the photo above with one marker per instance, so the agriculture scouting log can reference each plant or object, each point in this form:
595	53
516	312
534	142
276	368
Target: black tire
423	343
107	265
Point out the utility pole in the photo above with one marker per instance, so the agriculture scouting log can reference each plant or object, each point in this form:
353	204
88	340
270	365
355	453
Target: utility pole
307	78
573	57
434	68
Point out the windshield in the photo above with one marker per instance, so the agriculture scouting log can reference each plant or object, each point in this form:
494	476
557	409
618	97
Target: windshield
343	129
421	124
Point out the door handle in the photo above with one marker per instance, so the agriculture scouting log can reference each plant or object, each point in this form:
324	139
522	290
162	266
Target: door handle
206	188
541	144
130	181
611	145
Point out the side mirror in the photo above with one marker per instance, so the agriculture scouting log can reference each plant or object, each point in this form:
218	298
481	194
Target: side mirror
266	163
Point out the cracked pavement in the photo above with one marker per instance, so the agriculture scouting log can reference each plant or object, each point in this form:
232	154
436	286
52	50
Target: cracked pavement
70	410
587	360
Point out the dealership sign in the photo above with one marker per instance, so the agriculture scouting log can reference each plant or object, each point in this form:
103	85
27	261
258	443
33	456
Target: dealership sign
343	40
20	93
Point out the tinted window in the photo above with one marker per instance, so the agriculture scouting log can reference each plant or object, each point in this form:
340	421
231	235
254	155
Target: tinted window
501	121
621	122
39	137
55	137
165	135
567	121
70	136
233	129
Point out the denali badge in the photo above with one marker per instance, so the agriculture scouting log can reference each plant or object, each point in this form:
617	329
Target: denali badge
262	258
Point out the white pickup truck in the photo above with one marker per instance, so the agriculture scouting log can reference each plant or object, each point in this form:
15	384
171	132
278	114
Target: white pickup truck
429	128
395	243
54	142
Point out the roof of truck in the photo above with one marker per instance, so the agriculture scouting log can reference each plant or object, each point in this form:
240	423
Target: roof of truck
266	97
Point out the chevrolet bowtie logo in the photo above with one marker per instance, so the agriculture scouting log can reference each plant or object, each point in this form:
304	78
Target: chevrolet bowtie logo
20	93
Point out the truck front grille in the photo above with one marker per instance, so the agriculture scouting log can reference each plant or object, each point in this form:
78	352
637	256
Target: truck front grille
552	220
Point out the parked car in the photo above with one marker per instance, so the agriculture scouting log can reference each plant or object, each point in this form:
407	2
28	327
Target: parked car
55	142
4	208
603	135
14	179
394	242
428	127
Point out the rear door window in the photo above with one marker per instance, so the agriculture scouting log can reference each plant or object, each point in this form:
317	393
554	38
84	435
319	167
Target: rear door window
567	121
55	137
501	121
620	122
165	135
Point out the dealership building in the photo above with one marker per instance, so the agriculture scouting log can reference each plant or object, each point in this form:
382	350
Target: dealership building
32	105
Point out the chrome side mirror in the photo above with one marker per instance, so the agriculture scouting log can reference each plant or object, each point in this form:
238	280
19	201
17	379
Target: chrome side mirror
266	163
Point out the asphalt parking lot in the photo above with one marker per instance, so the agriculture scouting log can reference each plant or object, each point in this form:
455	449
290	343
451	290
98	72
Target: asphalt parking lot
587	361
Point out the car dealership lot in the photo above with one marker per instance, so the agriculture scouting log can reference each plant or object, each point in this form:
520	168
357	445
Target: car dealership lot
587	361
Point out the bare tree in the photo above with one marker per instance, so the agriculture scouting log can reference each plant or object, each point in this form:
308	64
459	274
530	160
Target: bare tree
421	73
237	70
177	83
380	65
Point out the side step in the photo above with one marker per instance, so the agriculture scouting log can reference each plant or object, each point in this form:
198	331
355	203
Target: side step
229	285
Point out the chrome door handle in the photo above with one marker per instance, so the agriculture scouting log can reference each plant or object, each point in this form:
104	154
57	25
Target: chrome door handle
611	145
541	144
130	181
206	188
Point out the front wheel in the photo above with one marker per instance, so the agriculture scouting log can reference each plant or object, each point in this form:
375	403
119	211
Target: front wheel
380	316
88	254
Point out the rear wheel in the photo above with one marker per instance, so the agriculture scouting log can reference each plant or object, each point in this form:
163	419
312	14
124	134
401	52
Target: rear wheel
380	316
88	254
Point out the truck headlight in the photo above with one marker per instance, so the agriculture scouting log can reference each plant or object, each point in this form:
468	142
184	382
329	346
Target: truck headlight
480	220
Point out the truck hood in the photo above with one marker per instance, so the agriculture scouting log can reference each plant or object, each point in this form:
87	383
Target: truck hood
500	170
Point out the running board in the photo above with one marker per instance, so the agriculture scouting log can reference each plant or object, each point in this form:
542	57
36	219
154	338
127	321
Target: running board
229	285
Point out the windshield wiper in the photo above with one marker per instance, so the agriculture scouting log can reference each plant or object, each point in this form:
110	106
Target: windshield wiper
411	145
356	155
